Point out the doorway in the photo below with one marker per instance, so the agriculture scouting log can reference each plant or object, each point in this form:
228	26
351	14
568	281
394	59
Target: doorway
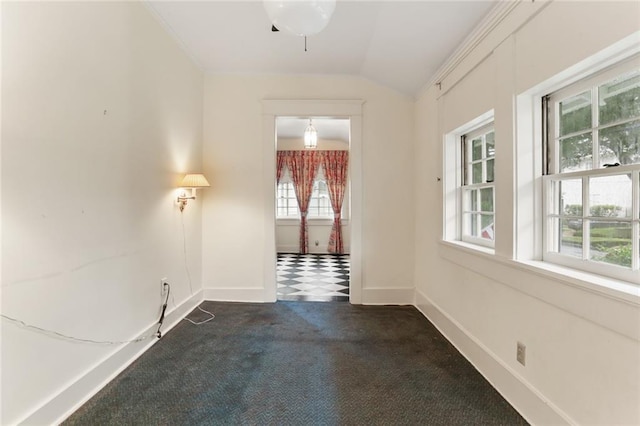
340	109
312	183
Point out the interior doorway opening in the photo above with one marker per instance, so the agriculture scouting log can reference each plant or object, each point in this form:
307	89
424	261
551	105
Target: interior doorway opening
313	209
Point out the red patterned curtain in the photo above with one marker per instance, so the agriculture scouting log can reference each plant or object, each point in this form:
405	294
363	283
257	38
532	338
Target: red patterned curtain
303	166
281	159
335	165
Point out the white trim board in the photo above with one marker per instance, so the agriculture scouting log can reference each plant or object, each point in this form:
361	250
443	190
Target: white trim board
273	108
522	396
68	400
241	295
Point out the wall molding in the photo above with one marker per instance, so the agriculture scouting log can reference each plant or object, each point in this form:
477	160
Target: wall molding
498	25
67	401
522	396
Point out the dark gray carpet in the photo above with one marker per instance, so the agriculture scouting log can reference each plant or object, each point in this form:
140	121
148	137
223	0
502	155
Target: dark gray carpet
300	363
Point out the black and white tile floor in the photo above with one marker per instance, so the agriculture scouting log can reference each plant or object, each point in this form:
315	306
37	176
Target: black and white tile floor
313	277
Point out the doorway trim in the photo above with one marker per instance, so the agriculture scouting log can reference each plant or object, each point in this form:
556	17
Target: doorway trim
271	110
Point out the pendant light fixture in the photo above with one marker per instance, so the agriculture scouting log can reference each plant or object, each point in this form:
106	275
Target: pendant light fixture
310	137
300	17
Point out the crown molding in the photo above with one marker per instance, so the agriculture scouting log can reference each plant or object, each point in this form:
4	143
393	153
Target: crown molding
495	16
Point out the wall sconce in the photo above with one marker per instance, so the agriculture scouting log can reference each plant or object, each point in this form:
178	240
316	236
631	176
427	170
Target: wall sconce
192	181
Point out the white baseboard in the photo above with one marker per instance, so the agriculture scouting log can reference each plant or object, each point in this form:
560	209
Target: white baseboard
62	405
246	295
312	249
288	249
388	296
527	400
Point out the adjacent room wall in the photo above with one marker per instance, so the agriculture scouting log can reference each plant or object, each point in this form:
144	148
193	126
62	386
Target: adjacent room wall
233	216
583	349
102	113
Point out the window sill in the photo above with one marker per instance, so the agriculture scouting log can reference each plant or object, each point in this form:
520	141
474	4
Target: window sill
609	303
593	283
470	248
610	287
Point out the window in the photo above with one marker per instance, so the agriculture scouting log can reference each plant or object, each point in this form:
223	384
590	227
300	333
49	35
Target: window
287	204
320	204
478	192
592	195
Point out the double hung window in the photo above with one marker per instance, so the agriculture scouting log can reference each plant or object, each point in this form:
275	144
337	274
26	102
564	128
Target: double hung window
478	191
287	204
592	195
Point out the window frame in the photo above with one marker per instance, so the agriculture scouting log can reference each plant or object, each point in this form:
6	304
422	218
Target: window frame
313	214
466	164
552	175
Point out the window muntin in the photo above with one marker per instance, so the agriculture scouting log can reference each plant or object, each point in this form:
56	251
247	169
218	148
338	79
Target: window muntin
478	191
287	204
592	218
320	204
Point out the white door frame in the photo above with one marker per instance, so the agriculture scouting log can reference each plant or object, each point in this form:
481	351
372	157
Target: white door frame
271	110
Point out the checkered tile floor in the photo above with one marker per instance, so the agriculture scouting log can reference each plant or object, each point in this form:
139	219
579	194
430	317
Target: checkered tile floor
313	277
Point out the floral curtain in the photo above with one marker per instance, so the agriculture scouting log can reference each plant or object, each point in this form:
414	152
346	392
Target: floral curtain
281	159
303	166
335	165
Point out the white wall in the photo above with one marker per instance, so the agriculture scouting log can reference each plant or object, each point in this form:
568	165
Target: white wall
583	349
102	113
233	216
288	235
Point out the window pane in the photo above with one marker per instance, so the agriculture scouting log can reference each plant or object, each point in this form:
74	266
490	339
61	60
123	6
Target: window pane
476	150
610	196
555	199
571	237
473	200
490	146
490	166
610	242
476	173
620	144
571	196
576	153
620	98
471	224
486	199
575	113
486	223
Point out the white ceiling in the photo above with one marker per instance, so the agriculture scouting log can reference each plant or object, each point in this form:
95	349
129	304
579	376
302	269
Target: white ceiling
328	128
399	44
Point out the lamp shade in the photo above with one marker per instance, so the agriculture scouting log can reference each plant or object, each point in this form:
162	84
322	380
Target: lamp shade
300	17
196	180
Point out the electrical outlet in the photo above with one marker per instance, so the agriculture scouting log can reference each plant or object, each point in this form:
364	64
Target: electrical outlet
521	353
317	243
163	288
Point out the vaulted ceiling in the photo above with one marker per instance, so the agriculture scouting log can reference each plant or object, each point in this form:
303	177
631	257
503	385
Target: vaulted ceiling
399	44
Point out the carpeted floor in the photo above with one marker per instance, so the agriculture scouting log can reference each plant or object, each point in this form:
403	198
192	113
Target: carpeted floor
300	363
